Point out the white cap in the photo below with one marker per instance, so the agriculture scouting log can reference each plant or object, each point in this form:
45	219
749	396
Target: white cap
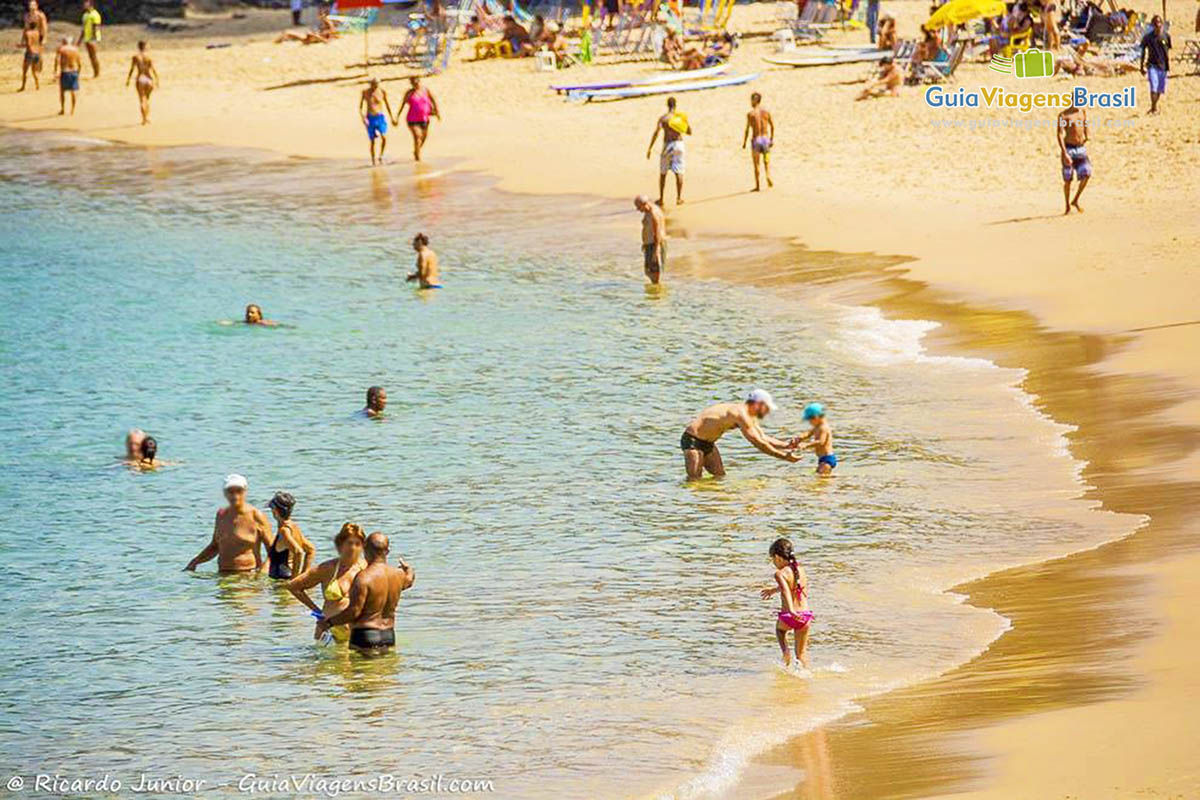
235	481
761	396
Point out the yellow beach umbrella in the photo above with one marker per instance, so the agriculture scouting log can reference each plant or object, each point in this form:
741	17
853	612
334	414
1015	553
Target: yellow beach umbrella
959	11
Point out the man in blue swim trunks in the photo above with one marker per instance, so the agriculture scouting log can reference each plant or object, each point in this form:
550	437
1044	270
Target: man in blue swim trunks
66	64
375	111
1155	63
1072	138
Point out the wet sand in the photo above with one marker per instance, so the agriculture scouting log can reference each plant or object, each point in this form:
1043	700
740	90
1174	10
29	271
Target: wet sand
1090	694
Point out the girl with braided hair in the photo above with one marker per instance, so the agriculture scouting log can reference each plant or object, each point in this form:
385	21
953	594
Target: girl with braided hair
791	584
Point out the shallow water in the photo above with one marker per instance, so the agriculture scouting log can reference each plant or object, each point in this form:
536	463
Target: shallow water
584	623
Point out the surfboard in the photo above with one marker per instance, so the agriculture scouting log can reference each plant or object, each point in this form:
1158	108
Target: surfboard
825	59
674	76
662	88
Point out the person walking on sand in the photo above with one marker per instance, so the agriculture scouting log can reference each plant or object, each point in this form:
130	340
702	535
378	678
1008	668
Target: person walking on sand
421	108
374	595
89	35
66	67
673	126
654	237
147	79
1155	62
699	439
761	126
1072	141
371	107
791	584
240	533
31	40
426	274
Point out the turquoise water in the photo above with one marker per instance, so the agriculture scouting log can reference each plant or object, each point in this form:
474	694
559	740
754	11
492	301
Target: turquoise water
583	623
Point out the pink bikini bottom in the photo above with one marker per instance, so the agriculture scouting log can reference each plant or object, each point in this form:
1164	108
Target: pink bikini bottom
797	620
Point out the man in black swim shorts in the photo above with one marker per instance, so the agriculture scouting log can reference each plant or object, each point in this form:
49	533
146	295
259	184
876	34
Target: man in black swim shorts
373	598
699	439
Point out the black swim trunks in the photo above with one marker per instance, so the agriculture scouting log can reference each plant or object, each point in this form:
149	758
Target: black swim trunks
689	442
655	257
369	638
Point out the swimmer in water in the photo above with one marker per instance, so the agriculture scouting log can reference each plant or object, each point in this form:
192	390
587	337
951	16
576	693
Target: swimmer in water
819	438
335	577
133	445
376	401
238	532
699	440
792	586
147	456
254	316
290	553
427	264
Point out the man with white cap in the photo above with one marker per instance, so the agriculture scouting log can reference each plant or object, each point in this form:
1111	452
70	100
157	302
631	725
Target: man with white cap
237	533
699	440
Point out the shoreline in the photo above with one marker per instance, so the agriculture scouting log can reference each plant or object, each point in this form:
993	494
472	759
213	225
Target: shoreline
1149	462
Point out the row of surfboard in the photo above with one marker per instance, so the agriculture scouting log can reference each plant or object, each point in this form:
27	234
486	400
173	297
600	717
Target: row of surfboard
675	82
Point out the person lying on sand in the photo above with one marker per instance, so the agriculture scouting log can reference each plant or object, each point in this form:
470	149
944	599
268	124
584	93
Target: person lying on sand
886	83
699	440
1079	61
325	33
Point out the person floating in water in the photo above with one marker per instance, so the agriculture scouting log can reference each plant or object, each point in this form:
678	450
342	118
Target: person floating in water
699	440
254	316
335	577
133	445
792	586
148	454
374	594
427	274
238	532
376	401
819	438
290	553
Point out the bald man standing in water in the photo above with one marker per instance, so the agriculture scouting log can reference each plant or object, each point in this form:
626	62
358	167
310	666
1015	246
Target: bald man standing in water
699	440
374	594
237	533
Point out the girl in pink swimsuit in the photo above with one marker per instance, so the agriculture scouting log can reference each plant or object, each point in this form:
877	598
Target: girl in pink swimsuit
790	583
421	108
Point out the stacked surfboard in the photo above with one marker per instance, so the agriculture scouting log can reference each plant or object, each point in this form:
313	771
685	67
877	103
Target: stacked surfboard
667	83
826	56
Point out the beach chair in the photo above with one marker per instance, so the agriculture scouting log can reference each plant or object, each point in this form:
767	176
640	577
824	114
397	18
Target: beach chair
408	48
1191	54
941	71
1018	43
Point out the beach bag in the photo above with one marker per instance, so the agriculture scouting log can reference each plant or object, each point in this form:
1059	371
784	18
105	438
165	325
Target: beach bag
678	122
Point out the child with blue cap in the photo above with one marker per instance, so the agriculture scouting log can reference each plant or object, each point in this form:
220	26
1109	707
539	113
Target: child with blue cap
820	438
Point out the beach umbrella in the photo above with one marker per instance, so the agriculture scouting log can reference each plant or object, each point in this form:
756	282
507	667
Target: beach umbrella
367	11
959	11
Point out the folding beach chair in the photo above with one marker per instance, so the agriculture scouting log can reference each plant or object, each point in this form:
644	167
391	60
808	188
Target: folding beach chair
940	71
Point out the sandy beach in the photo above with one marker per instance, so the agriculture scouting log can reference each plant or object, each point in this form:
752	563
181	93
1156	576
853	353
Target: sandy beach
1091	693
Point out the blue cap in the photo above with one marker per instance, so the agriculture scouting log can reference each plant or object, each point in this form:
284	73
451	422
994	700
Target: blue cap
814	410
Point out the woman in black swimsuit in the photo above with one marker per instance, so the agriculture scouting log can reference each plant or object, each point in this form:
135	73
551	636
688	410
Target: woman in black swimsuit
290	553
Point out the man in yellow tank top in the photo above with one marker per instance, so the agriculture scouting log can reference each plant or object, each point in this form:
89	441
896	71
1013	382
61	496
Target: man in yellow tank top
90	35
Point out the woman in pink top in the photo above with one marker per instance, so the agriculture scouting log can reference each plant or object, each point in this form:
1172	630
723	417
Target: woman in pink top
421	107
